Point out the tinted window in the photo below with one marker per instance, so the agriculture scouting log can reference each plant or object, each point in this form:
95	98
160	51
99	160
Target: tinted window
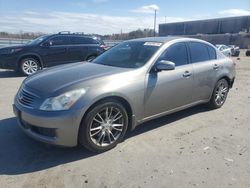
211	52
60	40
176	53
91	41
82	40
199	52
38	40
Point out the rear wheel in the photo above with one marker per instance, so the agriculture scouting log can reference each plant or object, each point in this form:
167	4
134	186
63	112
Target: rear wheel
104	126
219	94
29	66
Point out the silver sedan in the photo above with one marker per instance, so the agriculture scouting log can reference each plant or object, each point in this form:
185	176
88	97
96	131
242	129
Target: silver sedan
96	103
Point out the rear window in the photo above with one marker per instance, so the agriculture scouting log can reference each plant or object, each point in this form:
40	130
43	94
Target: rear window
198	52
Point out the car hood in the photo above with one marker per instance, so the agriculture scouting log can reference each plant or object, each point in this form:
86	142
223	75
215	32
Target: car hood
6	49
56	78
14	46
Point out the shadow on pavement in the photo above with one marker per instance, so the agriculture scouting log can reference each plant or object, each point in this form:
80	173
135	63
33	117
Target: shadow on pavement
20	154
9	74
164	120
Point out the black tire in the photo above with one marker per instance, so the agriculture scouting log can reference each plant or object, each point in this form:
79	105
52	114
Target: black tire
219	94
90	58
248	53
91	141
29	66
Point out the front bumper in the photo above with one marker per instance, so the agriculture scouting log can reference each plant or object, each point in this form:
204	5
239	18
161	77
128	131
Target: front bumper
8	62
49	127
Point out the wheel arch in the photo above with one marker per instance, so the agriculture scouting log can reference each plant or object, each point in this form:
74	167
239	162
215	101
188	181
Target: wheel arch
30	55
226	77
120	99
229	81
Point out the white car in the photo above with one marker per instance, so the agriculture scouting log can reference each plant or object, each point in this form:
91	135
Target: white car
226	50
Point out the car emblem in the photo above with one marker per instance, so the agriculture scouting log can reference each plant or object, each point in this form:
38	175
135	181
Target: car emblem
21	96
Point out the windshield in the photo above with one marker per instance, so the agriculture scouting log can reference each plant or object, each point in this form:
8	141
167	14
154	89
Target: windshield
131	54
38	40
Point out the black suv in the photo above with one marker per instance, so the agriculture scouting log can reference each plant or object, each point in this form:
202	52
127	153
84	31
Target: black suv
50	50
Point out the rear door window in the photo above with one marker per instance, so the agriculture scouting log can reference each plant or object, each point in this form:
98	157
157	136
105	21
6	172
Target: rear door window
211	52
198	52
177	53
59	40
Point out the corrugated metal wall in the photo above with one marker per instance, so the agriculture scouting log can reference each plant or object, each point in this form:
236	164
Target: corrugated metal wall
213	26
216	31
241	40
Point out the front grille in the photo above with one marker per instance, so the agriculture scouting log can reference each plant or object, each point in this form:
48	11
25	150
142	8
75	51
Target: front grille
26	98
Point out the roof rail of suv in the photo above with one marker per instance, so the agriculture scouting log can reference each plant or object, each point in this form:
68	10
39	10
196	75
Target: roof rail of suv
64	32
68	32
78	33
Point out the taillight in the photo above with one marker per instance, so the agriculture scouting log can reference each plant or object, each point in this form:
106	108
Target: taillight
105	47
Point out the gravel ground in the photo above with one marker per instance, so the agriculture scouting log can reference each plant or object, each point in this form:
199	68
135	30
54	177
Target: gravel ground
197	147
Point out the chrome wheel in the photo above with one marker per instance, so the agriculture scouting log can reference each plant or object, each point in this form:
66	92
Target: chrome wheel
106	126
30	66
221	93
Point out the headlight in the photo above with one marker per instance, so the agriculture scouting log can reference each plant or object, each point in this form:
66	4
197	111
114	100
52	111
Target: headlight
9	50
62	102
14	50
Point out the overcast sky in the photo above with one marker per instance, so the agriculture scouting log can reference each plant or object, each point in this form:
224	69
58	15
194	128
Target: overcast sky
109	16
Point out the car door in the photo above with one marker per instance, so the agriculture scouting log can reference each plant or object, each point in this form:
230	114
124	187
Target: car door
55	52
205	66
78	48
168	90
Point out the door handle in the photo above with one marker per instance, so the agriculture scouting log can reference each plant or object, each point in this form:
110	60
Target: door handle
187	74
216	66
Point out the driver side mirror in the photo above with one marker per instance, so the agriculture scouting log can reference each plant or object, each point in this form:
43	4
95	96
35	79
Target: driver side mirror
164	65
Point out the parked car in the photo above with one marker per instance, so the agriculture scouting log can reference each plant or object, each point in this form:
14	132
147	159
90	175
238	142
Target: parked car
235	50
226	50
248	52
50	50
96	103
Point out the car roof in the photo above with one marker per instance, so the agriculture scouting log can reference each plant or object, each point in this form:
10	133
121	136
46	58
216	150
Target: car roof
168	39
74	35
156	39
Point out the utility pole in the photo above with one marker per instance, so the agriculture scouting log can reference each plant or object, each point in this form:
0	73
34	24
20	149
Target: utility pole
155	24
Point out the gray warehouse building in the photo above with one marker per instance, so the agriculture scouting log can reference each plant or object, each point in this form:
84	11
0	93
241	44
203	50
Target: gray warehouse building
212	26
231	30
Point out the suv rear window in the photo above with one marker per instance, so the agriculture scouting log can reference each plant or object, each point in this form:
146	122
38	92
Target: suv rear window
82	40
199	52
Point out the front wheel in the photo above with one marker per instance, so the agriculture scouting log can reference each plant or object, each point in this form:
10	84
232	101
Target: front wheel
104	126
219	94
29	66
